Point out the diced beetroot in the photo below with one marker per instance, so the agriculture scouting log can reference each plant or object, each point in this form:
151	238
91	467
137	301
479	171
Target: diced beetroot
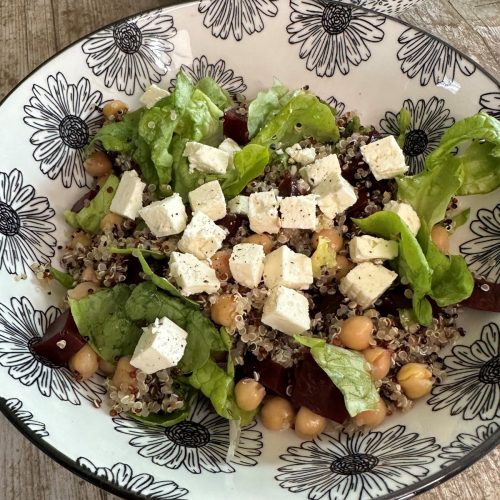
60	341
393	300
90	195
314	390
327	304
232	223
289	186
485	296
272	375
133	269
235	126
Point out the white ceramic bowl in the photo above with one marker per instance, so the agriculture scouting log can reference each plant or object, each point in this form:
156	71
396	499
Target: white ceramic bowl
356	59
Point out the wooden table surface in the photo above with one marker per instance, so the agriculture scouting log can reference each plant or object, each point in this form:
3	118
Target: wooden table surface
32	31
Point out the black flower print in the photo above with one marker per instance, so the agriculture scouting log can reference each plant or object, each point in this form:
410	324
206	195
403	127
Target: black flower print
21	325
472	384
360	465
197	444
25	227
338	106
482	253
201	68
66	116
133	53
386	6
466	443
25	417
235	17
490	103
429	120
143	485
424	56
332	36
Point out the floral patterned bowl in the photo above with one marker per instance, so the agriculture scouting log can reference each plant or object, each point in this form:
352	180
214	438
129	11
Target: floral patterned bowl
354	58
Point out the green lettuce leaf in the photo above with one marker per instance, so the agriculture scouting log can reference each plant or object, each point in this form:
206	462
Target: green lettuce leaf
460	219
349	372
404	121
101	317
303	116
89	218
65	279
219	96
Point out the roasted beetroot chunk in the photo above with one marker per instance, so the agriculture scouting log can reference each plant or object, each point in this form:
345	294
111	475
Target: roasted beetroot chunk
235	126
60	341
232	223
485	296
314	390
272	376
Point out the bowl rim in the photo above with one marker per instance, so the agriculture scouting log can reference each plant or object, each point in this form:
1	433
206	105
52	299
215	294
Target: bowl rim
409	491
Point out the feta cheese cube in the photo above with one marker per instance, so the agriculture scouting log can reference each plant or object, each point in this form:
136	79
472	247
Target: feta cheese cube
165	217
288	268
229	146
406	212
321	169
192	275
152	95
363	248
366	282
247	264
202	237
209	199
263	213
385	158
206	158
238	205
161	346
299	212
287	311
302	156
128	197
335	195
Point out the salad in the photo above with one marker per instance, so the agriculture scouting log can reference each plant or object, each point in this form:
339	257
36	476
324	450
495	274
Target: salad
267	255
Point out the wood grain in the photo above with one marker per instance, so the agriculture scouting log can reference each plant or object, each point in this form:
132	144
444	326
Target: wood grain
33	30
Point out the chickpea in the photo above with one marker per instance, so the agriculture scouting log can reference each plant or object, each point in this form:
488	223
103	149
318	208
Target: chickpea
441	238
223	310
277	414
380	361
415	379
220	263
110	221
82	290
97	164
333	235
125	374
356	332
102	180
372	418
249	394
344	265
84	363
309	424
113	111
80	239
89	275
106	367
260	239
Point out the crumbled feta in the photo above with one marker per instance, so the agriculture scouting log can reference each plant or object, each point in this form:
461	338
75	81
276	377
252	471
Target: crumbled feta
206	158
363	248
161	346
202	237
287	311
406	212
192	275
299	212
165	217
366	282
229	146
238	205
335	195
286	267
263	213
209	199
128	197
321	169
385	158
302	156
247	264
152	95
